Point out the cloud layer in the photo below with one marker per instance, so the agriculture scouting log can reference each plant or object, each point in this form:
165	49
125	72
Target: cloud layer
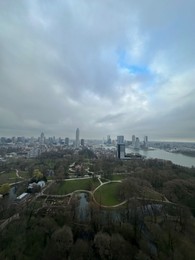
107	67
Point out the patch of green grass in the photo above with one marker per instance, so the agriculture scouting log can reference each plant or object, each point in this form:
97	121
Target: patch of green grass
9	177
24	174
117	177
66	187
107	194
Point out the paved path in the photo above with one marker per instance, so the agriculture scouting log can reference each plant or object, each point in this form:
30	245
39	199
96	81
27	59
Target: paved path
92	193
76	191
104	183
17	174
14	183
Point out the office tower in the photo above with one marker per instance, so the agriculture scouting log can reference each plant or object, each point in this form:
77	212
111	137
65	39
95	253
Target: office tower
109	141
133	140
120	139
77	138
42	138
82	142
121	151
67	141
137	143
145	142
13	139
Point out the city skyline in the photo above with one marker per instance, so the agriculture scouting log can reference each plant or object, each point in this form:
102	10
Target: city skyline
118	139
63	66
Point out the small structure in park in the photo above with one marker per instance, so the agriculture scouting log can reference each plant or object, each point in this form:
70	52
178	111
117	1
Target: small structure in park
36	187
22	196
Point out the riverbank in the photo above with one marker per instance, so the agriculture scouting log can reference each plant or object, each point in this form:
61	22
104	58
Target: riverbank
176	158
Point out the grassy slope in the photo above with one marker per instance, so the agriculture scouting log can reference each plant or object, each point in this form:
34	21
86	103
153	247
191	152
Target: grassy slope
116	177
107	194
66	187
8	177
11	177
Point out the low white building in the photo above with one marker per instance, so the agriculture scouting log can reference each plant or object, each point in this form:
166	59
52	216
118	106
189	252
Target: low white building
41	184
22	196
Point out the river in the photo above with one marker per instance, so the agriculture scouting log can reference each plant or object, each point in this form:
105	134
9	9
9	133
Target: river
176	158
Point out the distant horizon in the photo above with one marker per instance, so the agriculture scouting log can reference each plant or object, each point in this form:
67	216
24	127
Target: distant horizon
101	139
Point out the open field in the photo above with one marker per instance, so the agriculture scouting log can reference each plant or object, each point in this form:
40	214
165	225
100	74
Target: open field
66	187
107	194
24	174
11	177
8	177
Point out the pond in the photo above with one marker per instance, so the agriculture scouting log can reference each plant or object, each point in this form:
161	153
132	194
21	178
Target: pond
83	207
115	215
12	194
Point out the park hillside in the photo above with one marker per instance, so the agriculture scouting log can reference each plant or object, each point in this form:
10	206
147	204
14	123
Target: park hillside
63	205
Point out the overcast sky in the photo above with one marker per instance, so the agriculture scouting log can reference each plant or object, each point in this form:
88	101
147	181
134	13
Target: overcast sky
106	66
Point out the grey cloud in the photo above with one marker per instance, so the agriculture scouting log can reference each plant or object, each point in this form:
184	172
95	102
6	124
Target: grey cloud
111	118
60	67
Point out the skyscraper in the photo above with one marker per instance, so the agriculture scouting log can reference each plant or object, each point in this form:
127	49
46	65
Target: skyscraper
121	151
133	140
42	138
145	142
109	141
82	142
67	141
77	138
120	139
137	143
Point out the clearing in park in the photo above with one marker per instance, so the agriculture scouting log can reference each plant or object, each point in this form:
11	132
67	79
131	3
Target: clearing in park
108	195
65	187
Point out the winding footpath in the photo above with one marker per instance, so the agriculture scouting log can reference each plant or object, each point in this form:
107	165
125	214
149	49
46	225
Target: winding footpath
165	201
85	191
17	174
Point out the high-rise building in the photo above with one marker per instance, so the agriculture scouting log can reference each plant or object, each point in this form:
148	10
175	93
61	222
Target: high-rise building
121	151
120	139
82	142
145	142
133	140
109	141
137	143
42	138
67	141
77	138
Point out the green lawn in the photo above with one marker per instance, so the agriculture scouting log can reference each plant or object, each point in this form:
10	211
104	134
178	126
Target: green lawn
24	174
8	177
116	177
66	187
107	194
11	177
